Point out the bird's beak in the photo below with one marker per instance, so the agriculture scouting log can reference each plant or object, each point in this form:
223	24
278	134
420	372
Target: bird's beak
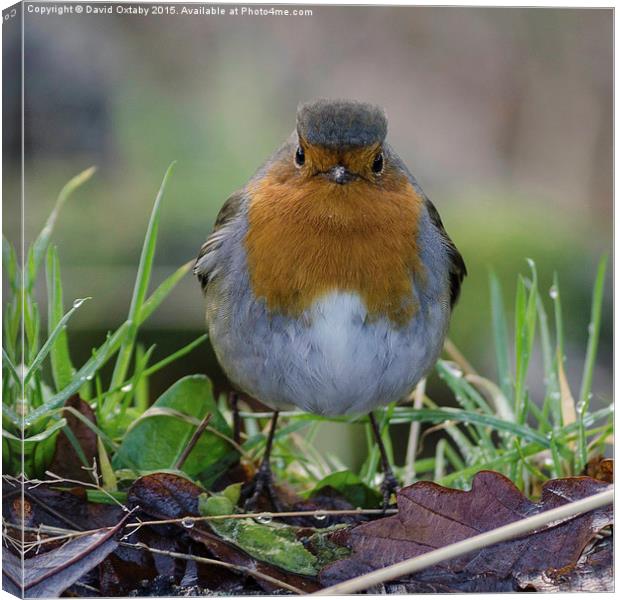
340	175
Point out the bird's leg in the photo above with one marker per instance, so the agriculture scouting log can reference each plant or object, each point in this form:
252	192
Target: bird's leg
389	485
234	405
263	480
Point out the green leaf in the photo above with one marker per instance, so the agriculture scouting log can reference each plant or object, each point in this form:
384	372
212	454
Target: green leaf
347	483
62	368
39	247
157	439
273	543
215	505
141	286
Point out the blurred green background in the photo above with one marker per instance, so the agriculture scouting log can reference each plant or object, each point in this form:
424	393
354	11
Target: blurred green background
504	116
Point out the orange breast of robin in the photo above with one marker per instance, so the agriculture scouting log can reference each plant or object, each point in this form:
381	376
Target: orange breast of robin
308	237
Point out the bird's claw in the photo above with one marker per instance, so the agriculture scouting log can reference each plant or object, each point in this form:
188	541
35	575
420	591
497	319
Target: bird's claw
261	483
389	486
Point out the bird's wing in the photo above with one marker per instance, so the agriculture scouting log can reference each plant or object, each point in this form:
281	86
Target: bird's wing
205	265
457	270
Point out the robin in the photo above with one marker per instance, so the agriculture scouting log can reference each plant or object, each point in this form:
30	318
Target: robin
329	278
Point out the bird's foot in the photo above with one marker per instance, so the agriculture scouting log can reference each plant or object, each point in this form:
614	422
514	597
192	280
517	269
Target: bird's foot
389	486
260	485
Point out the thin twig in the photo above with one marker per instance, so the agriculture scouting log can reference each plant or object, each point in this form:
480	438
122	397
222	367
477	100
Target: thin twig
211	561
548	518
456	355
270	515
414	434
192	442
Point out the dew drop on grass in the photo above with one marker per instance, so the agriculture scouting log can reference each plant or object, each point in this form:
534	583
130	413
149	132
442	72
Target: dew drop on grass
127	388
265	518
78	302
590	328
90	377
187	522
320	516
553	292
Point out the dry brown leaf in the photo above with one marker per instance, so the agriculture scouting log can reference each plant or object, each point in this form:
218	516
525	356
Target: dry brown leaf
431	516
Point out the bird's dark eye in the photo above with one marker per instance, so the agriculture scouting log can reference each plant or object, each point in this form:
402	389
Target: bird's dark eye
300	157
377	165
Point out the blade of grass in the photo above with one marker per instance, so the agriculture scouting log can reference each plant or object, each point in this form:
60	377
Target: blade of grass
140	287
11	265
414	435
525	327
10	366
162	291
12	322
76	446
47	346
175	355
130	387
439	415
588	369
99	358
157	366
551	379
557	312
31	328
567	402
500	404
461	440
110	484
500	336
440	463
87	423
464	392
39	437
39	247
141	393
62	367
